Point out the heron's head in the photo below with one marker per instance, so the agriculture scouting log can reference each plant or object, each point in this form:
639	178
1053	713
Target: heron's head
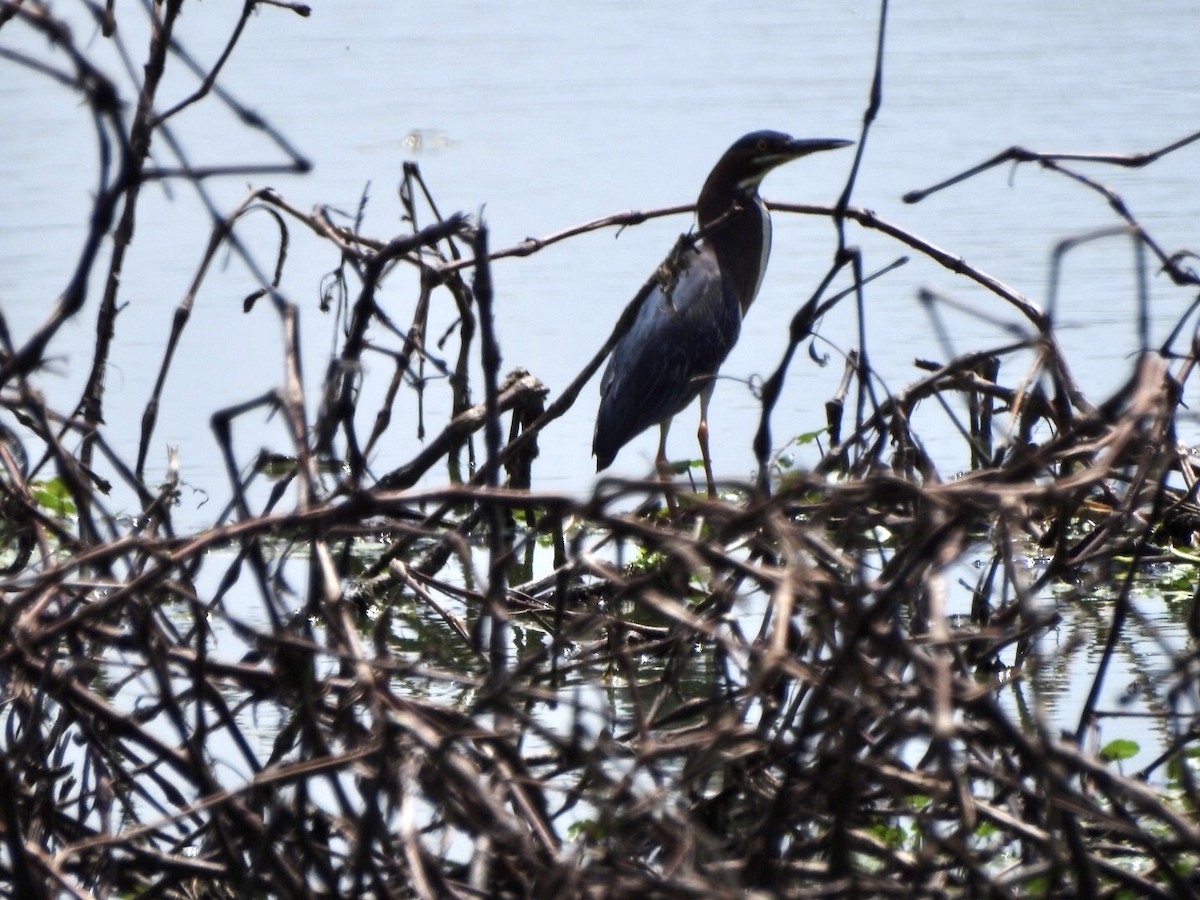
742	167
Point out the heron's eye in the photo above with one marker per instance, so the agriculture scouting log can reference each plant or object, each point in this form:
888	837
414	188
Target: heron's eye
761	146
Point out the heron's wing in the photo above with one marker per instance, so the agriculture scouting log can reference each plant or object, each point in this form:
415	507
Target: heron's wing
671	353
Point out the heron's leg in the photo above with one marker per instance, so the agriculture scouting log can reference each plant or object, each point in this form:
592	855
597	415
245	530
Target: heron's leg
702	437
664	467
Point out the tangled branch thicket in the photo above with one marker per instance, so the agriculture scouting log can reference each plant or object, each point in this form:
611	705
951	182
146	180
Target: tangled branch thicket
770	695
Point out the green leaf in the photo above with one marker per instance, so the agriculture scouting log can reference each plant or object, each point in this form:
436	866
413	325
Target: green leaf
892	835
53	497
647	561
586	829
1120	749
809	436
277	466
683	466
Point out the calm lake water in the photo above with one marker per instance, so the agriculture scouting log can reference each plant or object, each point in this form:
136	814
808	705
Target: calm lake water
541	117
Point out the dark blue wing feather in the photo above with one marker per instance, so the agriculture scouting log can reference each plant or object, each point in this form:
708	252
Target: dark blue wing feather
668	357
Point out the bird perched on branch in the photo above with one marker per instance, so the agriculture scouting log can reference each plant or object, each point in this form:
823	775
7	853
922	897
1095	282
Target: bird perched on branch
689	322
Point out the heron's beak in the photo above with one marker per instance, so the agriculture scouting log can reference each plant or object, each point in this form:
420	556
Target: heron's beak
798	147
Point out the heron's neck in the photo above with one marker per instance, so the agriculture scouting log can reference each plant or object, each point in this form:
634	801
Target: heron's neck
741	240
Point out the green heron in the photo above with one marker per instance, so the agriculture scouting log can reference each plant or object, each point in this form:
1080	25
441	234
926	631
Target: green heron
680	337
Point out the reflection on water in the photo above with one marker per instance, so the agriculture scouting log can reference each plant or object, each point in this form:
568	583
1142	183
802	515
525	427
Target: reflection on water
594	693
